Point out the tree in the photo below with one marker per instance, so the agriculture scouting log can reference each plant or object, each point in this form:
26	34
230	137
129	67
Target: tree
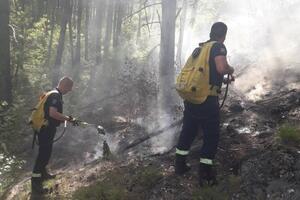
86	35
108	32
5	75
119	12
167	52
61	42
181	33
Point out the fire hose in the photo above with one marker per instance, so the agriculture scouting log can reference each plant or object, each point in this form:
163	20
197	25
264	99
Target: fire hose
100	131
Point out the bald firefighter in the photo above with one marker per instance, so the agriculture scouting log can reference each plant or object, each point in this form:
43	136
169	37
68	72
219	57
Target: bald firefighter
51	109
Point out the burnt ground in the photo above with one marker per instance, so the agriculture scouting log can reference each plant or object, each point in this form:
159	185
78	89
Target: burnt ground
251	162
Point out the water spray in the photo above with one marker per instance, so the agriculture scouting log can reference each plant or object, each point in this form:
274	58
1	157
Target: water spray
100	130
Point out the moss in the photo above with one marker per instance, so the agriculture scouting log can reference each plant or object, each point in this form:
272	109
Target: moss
289	134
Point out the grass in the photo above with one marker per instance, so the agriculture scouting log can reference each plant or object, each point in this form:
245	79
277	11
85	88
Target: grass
289	134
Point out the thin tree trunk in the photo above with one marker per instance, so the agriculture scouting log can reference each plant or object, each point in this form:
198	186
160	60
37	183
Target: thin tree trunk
78	41
71	34
97	37
5	76
194	13
181	33
99	18
167	51
118	21
51	36
108	32
21	43
61	43
86	38
138	35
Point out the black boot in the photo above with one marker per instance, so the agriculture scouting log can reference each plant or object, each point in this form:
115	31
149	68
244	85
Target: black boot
207	175
37	185
180	165
47	176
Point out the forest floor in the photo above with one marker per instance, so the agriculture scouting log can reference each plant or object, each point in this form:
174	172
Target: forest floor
252	162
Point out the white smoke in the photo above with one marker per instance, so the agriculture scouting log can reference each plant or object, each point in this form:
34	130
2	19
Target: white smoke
263	36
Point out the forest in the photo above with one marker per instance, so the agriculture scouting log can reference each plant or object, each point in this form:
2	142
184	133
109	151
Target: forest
123	58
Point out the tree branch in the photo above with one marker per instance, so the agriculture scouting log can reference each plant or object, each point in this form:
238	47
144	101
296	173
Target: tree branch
13	32
136	12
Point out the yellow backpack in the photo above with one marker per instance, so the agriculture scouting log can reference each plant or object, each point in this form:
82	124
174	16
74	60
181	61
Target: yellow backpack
192	83
37	118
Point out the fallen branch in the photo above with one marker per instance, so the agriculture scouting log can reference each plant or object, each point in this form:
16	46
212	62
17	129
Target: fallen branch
151	135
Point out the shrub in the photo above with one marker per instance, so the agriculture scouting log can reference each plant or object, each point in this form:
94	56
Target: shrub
289	134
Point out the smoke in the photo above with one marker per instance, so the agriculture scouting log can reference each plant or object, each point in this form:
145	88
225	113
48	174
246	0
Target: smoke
262	42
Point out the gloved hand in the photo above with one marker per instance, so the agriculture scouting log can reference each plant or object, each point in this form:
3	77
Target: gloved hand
100	130
74	121
228	81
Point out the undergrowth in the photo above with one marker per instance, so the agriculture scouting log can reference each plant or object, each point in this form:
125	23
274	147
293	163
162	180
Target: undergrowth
121	185
289	134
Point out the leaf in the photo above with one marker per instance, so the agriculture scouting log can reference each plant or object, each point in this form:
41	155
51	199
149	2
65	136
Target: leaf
4	103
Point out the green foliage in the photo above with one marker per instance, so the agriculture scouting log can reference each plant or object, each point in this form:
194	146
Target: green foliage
289	134
11	138
122	185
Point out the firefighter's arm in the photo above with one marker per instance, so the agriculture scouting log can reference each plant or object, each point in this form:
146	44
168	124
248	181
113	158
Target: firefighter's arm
222	65
53	113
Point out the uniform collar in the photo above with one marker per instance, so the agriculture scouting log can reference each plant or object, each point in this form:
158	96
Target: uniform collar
58	91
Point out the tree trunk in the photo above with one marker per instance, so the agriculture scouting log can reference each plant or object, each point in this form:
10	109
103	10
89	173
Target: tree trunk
78	45
194	13
138	34
99	18
86	35
108	32
70	26
5	76
119	13
20	46
97	41
167	51
181	34
56	73
51	36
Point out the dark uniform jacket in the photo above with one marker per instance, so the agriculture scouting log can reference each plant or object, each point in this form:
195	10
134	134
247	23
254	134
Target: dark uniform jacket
54	100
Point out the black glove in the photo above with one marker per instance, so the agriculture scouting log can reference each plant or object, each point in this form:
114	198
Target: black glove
74	121
100	130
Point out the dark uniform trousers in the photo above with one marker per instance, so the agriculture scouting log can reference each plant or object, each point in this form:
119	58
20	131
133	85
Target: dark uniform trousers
205	116
45	139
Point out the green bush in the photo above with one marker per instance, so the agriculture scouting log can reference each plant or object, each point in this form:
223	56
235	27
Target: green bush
289	134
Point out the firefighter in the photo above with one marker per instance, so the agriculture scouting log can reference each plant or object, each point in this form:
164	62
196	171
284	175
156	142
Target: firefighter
52	112
205	115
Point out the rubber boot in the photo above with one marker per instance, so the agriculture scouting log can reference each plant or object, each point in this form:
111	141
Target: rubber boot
47	176
37	186
180	165
207	175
